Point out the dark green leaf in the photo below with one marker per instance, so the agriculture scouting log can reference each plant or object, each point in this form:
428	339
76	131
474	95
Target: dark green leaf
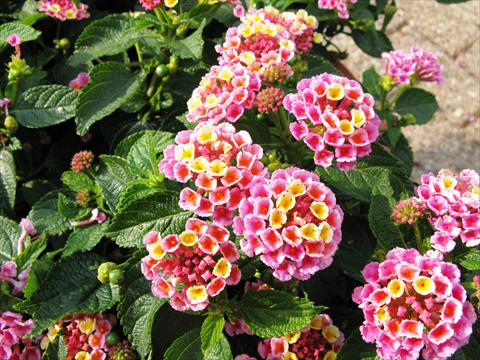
111	85
155	212
46	217
46	105
191	47
26	33
7	302
31	253
212	329
136	190
8	182
84	239
186	347
470	260
56	349
9	234
356	348
371	82
372	42
469	351
272	313
77	181
220	350
419	103
34	190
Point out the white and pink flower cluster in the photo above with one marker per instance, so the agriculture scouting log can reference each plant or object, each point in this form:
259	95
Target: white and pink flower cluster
453	201
191	267
319	340
64	9
340	6
418	65
13	344
414	304
335	118
9	274
220	161
292	221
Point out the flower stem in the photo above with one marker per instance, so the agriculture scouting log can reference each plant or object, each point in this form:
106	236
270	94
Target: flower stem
418	237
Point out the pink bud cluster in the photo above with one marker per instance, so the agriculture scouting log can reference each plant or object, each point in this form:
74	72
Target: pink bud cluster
220	161
453	201
64	9
223	94
407	211
292	221
13	344
414	304
81	161
85	335
335	118
319	340
150	4
191	267
8	273
269	99
419	64
276	74
80	81
340	6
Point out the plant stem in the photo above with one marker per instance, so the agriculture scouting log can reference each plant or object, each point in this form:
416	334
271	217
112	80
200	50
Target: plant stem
139	52
398	94
418	237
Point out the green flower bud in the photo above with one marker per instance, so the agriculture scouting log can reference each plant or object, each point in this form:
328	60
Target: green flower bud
11	124
390	10
18	68
116	277
113	338
162	70
104	270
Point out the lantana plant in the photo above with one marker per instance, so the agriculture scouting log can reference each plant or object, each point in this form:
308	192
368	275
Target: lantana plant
206	180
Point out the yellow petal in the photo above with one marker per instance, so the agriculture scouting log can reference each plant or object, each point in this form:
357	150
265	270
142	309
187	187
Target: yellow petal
319	209
188	238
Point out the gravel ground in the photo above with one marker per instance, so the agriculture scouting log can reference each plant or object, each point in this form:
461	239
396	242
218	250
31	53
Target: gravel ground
452	139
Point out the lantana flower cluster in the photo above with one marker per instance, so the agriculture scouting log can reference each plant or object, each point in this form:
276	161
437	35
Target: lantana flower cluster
13	342
64	9
418	65
335	118
319	340
85	335
192	267
223	94
220	161
340	6
414	304
9	273
292	221
407	211
453	201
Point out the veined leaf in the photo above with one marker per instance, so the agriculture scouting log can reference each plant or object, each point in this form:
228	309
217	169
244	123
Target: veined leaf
45	215
8	182
84	239
77	181
26	32
56	349
31	253
191	47
46	105
470	260
418	102
212	329
9	234
111	85
186	347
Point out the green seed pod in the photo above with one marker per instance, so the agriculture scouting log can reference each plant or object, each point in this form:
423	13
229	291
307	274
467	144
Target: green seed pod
113	338
162	70
11	124
116	277
104	270
63	43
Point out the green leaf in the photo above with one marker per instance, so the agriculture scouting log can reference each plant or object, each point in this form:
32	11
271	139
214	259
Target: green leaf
70	210
355	348
72	287
355	249
138	309
9	234
109	35
46	105
136	190
112	176
418	102
158	212
212	329
357	183
111	85
470	260
186	347
8	182
77	181
126	144
45	215
34	190
31	253
403	151
272	313
191	47
84	239
371	82
26	33
56	349
469	351
220	351
372	42
7	302
143	155
37	274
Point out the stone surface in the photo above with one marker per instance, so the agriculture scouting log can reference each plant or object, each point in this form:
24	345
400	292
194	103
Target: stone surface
452	138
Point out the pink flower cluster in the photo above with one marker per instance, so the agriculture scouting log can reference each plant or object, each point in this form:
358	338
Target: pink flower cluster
453	201
64	9
335	118
13	345
191	267
267	37
418	64
269	99
221	162
223	94
407	211
341	6
319	340
414	304
8	273
150	4
82	160
80	81
292	221
85	335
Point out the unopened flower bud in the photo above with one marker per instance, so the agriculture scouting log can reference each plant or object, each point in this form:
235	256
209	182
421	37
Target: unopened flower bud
11	124
104	270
